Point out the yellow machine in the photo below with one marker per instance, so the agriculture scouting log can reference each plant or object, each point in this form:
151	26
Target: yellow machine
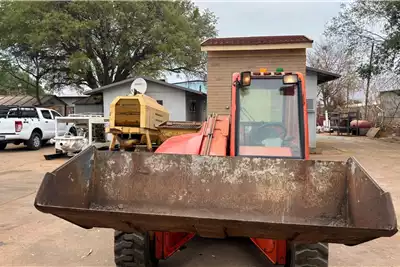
134	120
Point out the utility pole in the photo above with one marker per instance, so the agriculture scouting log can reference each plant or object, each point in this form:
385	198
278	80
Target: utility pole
368	80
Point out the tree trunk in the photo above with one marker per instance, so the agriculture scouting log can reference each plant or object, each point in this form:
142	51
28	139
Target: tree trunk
37	88
368	81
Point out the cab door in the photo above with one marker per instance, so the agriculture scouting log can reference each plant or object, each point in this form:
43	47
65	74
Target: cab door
48	125
62	126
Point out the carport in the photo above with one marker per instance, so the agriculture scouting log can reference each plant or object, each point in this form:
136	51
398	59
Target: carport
314	78
46	101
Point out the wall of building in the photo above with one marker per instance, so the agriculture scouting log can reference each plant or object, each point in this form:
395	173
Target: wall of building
196	107
222	64
390	104
87	108
70	103
173	99
311	94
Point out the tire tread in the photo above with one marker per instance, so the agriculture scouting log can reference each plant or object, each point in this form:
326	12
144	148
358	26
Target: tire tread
309	255
130	250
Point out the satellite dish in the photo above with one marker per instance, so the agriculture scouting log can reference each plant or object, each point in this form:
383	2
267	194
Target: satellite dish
139	85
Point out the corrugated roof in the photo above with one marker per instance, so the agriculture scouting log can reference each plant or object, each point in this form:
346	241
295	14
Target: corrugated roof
90	100
257	40
323	76
26	101
130	80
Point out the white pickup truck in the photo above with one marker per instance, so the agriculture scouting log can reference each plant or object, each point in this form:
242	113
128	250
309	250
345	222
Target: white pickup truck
31	126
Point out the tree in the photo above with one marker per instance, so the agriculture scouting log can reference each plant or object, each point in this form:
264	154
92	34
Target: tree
362	23
27	52
15	82
330	55
98	43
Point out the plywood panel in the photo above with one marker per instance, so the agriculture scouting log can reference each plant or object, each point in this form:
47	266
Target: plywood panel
221	66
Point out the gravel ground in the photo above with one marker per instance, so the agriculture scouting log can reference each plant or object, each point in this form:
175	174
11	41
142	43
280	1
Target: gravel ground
31	238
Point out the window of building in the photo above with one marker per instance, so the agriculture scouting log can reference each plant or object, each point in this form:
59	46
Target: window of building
192	106
160	102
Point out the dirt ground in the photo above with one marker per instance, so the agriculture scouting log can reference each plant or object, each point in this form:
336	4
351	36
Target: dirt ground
31	238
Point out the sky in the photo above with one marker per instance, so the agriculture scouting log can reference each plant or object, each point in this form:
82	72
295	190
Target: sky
259	18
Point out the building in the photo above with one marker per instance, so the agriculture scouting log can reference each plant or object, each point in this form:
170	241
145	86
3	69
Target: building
46	101
315	77
390	105
70	101
92	104
226	56
184	104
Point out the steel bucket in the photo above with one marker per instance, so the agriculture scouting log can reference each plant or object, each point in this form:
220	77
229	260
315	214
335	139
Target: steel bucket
302	200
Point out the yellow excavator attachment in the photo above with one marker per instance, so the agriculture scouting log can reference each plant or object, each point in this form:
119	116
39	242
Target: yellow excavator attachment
302	200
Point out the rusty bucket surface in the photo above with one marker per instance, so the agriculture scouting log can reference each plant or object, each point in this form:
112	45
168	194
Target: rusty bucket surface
300	200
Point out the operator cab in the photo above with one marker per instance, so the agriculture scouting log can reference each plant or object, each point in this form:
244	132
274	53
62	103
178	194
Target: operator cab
269	115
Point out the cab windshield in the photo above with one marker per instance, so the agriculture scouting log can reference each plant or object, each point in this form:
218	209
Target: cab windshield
268	121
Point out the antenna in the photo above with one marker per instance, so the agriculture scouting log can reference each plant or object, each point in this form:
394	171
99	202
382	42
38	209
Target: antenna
139	85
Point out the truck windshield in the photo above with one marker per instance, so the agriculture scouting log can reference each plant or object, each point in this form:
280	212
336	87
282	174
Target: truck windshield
268	119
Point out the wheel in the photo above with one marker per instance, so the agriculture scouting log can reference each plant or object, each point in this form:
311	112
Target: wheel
134	250
73	131
35	141
3	146
307	255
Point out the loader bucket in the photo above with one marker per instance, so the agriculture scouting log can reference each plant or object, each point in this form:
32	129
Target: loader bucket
301	200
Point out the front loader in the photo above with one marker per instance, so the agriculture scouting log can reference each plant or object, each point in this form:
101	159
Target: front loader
247	174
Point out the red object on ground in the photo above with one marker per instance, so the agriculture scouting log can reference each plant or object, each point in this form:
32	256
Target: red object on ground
363	124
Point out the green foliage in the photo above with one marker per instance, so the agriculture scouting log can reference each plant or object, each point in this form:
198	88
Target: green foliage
365	70
15	82
98	43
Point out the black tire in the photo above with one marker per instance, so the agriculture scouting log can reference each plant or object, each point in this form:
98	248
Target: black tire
134	250
3	146
307	255
35	141
73	131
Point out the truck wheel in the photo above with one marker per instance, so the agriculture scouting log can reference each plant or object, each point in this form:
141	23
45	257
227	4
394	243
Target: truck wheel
134	250
73	131
34	142
3	146
310	255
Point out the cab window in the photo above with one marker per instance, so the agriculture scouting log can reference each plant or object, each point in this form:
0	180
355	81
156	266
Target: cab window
55	114
46	114
268	119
